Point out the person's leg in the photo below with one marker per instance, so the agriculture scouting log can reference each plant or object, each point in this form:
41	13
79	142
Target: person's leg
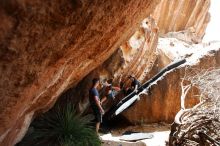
97	127
98	117
115	93
129	91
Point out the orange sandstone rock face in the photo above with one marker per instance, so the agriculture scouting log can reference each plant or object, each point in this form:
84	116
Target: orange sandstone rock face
163	100
189	16
135	56
138	56
48	46
139	51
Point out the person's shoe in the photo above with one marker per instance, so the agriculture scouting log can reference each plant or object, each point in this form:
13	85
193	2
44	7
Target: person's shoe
100	138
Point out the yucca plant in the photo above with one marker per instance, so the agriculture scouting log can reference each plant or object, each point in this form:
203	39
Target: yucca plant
62	127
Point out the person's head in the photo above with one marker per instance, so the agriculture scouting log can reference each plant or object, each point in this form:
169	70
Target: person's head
131	77
110	81
95	82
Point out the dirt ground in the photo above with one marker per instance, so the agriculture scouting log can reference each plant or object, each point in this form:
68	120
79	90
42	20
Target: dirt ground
160	132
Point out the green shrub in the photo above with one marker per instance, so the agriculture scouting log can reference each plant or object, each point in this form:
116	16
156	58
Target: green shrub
62	127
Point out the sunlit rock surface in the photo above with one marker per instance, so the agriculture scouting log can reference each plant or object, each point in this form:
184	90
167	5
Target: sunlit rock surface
189	16
163	100
48	46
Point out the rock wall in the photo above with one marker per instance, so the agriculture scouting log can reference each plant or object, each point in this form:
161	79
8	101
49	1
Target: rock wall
163	100
185	20
135	56
189	16
48	46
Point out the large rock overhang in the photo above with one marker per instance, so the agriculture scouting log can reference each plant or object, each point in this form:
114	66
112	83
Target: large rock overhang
48	46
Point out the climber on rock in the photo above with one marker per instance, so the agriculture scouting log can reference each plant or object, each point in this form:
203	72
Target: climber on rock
135	84
95	103
110	91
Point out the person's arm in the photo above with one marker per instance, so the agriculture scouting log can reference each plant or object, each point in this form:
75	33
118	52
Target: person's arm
120	77
103	99
98	103
116	88
136	87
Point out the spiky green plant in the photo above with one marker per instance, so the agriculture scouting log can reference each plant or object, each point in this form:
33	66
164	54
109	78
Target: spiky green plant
62	127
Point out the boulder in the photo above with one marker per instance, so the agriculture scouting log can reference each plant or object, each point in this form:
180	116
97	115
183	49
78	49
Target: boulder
163	99
49	46
188	15
52	49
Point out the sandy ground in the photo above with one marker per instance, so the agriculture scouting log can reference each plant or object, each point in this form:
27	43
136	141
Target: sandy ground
160	134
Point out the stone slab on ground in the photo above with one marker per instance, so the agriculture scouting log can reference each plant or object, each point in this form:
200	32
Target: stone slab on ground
136	136
121	143
159	131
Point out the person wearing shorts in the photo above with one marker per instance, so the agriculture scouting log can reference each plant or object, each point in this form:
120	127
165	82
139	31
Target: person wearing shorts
110	92
95	103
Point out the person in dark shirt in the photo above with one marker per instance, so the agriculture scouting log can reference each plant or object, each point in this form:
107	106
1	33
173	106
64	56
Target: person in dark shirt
95	103
135	84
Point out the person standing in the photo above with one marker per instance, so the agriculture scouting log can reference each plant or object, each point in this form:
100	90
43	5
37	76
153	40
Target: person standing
95	103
